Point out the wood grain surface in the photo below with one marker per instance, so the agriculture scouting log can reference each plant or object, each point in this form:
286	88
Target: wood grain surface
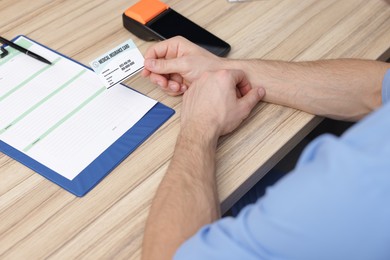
40	220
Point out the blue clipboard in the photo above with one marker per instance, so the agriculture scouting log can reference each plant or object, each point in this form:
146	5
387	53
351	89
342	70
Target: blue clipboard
106	161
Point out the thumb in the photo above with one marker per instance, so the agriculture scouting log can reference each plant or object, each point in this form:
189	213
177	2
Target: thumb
250	100
162	66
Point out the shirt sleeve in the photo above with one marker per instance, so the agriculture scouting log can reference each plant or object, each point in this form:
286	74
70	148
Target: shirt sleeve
386	88
334	205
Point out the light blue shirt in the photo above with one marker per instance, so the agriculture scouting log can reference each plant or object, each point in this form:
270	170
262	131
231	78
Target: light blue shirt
334	205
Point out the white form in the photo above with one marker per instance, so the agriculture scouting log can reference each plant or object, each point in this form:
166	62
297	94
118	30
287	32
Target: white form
61	115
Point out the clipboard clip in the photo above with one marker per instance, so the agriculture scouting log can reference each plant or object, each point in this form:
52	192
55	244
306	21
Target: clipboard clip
3	53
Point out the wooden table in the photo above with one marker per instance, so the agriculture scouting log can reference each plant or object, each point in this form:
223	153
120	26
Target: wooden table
38	219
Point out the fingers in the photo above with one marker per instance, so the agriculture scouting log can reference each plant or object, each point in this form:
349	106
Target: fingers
165	56
170	48
249	96
169	62
172	84
166	74
145	73
243	86
159	52
250	100
165	66
160	80
162	49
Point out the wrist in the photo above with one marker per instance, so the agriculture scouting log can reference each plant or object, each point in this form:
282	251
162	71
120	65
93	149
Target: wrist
253	69
196	132
230	64
273	76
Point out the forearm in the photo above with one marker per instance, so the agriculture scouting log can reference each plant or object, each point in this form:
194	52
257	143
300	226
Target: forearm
186	198
345	89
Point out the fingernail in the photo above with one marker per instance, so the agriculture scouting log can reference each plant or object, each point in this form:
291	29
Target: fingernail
261	91
173	87
160	83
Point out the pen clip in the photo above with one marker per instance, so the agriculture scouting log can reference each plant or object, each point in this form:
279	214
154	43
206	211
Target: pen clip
4	52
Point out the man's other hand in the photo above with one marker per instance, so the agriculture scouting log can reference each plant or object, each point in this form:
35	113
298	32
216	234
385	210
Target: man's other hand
218	102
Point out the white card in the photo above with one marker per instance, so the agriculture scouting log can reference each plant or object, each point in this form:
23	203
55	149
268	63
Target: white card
118	64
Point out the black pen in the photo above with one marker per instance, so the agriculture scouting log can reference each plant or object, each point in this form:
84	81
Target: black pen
25	51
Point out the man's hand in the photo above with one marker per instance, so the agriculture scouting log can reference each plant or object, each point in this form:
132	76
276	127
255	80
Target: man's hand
175	63
218	102
214	105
